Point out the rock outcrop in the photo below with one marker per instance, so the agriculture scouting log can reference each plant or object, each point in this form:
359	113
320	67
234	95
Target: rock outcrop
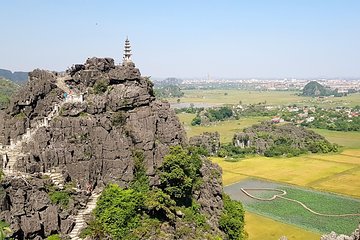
208	140
25	204
93	140
265	136
333	236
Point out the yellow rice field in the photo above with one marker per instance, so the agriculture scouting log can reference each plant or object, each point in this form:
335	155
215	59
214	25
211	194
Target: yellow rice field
259	227
326	175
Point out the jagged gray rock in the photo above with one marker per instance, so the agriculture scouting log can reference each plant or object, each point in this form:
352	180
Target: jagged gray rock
91	140
207	140
26	206
209	196
333	236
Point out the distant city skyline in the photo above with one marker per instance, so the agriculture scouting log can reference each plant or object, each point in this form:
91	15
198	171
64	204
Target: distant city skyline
229	39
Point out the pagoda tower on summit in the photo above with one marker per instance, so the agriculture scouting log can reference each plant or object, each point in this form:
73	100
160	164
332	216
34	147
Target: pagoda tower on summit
127	51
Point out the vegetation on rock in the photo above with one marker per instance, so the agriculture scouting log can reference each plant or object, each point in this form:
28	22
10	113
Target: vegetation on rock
4	230
141	211
276	140
232	220
59	197
168	91
100	86
7	88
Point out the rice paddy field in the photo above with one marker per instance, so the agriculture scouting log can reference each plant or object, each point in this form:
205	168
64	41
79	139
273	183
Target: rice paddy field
293	213
234	96
326	182
259	228
225	128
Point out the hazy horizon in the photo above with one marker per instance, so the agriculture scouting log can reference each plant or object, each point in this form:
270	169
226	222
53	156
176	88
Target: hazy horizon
232	39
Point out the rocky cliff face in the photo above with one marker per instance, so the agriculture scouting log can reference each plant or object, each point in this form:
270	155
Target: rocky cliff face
92	140
25	204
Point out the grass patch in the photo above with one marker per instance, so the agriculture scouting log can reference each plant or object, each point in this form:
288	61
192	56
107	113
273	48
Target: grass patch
345	139
61	198
227	129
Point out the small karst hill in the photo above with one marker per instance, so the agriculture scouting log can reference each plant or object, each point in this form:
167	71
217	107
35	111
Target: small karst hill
315	89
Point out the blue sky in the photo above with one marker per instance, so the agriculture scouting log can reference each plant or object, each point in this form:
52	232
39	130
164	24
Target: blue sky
188	38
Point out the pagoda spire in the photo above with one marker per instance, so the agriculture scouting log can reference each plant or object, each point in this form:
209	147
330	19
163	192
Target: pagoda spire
127	51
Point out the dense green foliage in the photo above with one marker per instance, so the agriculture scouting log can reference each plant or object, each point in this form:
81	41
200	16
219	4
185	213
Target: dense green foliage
180	174
229	150
232	220
213	115
138	211
190	109
141	180
119	210
168	91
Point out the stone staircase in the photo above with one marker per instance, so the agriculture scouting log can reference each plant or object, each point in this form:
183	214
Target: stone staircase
80	217
60	83
14	150
56	177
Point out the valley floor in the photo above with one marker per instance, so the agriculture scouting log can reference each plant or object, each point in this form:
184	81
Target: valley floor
338	173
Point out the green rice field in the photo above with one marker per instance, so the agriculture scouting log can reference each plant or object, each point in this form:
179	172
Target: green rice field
293	213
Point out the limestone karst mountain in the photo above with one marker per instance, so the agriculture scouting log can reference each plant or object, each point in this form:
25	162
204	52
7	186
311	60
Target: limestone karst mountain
106	113
67	134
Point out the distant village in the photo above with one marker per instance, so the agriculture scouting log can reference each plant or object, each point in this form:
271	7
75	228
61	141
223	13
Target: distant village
342	85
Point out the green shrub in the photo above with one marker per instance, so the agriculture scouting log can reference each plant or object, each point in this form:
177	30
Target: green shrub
94	229
61	198
4	230
118	119
179	174
141	180
196	121
232	220
100	86
118	210
54	237
160	205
